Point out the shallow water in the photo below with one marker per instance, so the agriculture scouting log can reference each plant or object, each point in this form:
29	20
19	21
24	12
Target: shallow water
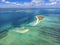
47	32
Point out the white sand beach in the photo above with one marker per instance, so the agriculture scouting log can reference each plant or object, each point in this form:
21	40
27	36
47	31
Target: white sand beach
37	21
22	31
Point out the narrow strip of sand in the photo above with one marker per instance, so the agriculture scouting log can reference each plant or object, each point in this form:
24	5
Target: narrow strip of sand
22	31
39	19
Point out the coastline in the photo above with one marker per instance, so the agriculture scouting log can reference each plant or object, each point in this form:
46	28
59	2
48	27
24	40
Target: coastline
39	19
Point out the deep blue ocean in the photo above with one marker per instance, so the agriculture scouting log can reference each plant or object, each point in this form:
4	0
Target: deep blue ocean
14	19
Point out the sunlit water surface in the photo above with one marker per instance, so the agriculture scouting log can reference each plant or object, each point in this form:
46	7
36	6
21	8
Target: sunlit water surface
47	32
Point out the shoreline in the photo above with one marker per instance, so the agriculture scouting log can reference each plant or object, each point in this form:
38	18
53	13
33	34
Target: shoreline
39	19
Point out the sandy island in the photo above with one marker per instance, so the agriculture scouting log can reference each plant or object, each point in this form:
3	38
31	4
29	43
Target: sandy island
39	19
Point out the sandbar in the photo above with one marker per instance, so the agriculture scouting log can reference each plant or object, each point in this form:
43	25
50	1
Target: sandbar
39	19
22	31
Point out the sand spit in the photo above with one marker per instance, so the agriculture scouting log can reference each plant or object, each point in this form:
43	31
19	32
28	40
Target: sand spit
22	31
39	19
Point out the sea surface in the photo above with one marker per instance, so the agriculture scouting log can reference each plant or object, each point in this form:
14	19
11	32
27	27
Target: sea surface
47	32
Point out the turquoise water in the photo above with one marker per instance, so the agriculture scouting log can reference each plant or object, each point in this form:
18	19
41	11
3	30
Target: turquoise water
47	32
